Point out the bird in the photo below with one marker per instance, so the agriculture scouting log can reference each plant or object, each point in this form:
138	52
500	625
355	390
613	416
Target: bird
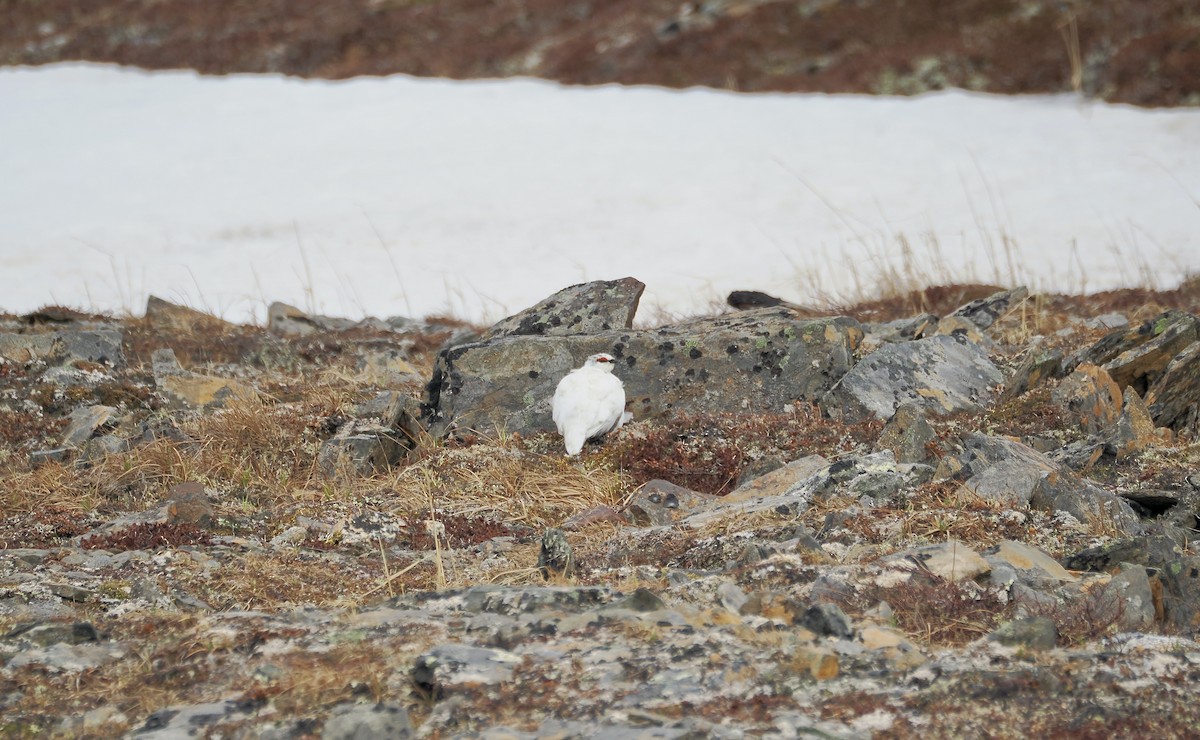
589	402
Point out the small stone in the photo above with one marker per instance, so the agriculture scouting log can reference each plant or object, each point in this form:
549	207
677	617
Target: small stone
821	663
731	597
1035	633
38	458
1029	558
986	311
827	619
1174	399
71	633
1135	430
361	451
595	515
556	559
1037	367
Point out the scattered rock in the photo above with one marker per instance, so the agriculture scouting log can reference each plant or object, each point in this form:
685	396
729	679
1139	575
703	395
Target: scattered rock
1141	366
84	421
362	448
1153	550
827	619
1135	430
943	374
167	316
99	346
1038	366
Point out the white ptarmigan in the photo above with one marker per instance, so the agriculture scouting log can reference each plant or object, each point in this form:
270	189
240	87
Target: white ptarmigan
589	402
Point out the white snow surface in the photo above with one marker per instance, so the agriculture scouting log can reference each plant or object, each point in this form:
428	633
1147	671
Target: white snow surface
403	196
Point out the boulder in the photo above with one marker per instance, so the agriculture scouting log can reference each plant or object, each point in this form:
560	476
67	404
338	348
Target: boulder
753	361
943	374
588	308
1138	356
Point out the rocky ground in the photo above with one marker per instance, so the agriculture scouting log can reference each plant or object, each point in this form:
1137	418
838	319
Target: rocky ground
960	512
1143	52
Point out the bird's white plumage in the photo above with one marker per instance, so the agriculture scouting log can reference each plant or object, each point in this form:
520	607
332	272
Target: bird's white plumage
588	402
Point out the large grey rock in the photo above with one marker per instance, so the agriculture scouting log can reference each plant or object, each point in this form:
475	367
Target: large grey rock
752	361
1012	474
588	308
943	374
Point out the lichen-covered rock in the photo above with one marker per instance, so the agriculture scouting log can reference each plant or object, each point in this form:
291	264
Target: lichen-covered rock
753	361
1138	357
588	308
943	374
1174	400
86	345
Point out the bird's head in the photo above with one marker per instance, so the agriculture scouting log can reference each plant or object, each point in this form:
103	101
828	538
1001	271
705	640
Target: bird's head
602	361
